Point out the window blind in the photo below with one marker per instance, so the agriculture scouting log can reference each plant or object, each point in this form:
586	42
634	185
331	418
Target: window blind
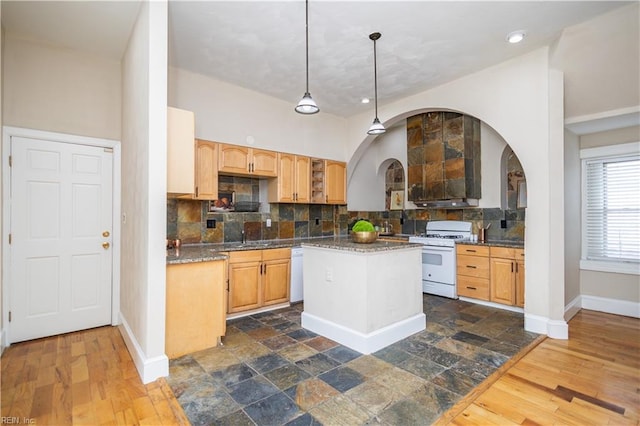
612	208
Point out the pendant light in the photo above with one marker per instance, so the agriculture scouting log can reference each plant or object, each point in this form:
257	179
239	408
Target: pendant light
376	127
307	105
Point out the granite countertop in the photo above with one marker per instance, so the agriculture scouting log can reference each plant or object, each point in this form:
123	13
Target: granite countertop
504	243
345	243
190	253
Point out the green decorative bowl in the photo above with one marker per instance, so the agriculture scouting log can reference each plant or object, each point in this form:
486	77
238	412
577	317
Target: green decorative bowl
364	237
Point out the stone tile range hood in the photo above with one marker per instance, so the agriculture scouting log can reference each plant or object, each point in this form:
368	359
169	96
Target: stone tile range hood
443	158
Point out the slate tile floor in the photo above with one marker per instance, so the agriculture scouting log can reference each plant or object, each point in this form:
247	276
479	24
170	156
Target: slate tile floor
271	371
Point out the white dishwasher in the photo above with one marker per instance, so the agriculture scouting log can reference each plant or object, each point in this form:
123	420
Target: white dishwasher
295	294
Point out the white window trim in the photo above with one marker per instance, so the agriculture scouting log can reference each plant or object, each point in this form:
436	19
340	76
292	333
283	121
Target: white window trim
597	265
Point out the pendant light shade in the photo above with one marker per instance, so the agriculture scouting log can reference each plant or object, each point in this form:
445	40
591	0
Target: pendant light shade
376	127
307	105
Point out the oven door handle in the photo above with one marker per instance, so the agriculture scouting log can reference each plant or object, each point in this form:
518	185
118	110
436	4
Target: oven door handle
437	248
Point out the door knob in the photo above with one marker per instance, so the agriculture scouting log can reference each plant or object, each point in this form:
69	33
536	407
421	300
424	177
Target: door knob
105	234
105	245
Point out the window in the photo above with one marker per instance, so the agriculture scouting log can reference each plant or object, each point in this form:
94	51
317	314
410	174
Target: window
611	212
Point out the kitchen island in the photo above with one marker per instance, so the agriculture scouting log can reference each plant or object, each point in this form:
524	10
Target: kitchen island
364	296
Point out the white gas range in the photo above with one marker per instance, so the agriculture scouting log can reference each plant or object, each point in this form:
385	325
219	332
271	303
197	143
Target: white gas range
439	255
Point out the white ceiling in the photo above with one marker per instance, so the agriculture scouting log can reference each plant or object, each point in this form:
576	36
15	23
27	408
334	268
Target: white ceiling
260	45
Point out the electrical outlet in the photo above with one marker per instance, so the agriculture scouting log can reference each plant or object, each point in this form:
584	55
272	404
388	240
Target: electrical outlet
211	223
268	223
503	224
317	221
328	275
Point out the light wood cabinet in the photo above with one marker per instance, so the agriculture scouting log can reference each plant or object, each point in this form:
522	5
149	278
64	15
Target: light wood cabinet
240	160
293	182
206	170
473	271
507	275
195	306
258	278
180	152
494	274
328	181
336	182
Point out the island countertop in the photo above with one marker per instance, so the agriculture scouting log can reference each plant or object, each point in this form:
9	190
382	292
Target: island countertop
346	244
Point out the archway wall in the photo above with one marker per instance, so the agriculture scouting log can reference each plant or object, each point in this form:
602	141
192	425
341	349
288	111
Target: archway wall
521	100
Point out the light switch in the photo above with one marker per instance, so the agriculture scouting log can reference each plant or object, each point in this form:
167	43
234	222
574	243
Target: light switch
268	223
328	274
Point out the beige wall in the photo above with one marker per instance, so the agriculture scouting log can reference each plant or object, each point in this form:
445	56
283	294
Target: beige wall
144	176
232	114
601	61
60	90
572	217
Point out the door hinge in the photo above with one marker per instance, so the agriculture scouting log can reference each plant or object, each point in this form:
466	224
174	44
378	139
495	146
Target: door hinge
9	238
10	161
9	316
108	150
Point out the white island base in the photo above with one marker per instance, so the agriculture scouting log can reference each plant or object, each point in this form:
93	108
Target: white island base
365	298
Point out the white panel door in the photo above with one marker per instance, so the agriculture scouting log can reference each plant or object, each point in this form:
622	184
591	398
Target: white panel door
61	224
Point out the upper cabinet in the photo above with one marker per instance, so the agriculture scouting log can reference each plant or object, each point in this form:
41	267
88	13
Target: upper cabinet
293	182
443	158
180	152
336	182
240	160
206	170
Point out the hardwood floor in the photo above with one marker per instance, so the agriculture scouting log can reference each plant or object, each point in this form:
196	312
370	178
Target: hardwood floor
88	377
591	379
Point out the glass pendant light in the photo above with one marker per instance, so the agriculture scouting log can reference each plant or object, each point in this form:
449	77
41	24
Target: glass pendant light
376	127
307	105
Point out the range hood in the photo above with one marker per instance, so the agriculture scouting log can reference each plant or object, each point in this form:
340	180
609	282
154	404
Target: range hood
456	203
443	159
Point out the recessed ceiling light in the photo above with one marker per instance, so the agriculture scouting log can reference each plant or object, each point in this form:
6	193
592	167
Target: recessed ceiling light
365	100
515	36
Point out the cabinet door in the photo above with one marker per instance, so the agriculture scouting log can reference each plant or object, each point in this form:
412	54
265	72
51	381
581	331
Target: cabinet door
336	182
206	170
233	159
195	306
244	286
302	171
264	163
520	283
180	151
282	189
502	281
276	280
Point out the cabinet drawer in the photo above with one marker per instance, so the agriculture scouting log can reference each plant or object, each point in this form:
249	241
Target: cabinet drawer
245	256
478	288
472	250
473	266
279	253
504	252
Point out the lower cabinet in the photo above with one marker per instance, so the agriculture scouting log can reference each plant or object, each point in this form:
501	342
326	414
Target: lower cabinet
258	278
473	271
494	274
507	276
195	306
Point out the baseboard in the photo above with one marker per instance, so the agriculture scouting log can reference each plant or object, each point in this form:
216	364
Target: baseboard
573	308
364	343
149	369
611	306
556	329
3	342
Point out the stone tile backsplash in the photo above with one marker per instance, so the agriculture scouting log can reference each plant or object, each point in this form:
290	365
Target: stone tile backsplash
187	219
